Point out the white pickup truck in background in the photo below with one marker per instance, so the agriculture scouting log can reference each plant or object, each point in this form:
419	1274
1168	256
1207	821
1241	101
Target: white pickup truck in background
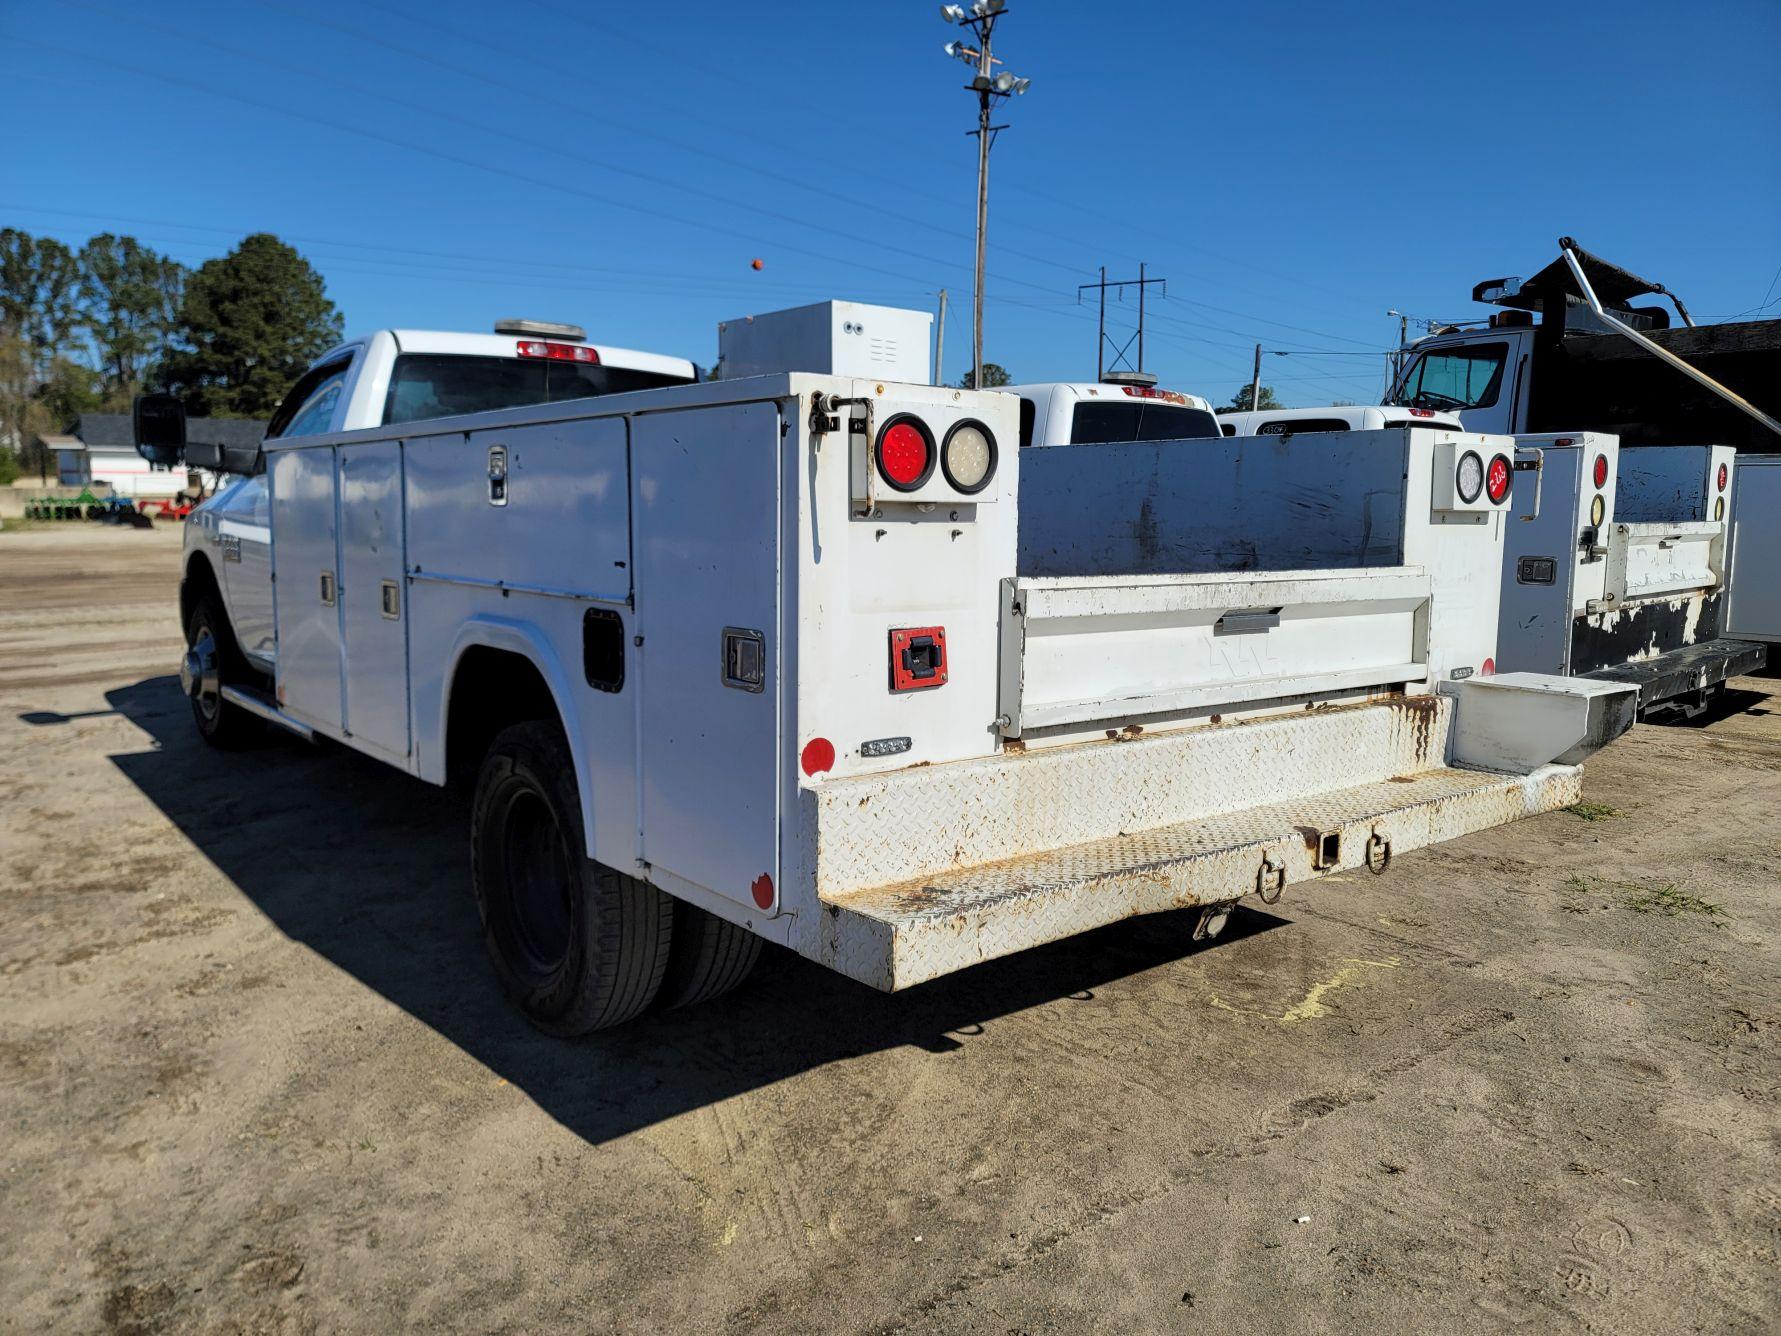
829	661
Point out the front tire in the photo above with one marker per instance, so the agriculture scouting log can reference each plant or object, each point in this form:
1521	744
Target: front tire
213	661
577	946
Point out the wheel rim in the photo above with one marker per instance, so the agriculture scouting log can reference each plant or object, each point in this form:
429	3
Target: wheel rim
536	865
200	675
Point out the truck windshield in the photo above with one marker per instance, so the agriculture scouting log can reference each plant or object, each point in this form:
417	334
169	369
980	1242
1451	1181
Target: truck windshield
431	385
1467	375
1109	424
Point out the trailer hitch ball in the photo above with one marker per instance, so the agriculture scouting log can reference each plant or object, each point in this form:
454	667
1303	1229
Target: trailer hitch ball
1270	880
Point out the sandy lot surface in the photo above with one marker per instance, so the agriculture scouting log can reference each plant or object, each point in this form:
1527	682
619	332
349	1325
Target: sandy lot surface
255	1075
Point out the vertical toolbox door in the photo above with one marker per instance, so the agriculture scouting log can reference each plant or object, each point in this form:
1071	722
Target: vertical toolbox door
306	569
374	596
706	529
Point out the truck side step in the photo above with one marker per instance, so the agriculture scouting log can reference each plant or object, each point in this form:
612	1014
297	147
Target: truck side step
253	702
902	934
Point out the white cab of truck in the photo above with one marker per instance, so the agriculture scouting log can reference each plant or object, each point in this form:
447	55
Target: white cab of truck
384	379
1332	417
827	660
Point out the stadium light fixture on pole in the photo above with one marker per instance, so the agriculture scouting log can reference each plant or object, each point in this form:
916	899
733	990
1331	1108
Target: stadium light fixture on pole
980	21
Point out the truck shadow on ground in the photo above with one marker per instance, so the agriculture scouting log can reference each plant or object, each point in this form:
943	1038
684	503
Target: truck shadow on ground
369	869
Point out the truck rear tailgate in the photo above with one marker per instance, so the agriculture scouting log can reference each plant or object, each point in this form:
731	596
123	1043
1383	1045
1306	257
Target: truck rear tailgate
1108	649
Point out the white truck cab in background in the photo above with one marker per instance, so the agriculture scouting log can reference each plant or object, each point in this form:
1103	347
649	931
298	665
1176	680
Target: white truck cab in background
1334	417
1116	408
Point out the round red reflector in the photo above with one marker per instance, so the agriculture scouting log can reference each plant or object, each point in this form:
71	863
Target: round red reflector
1489	668
1601	471
1496	478
1724	477
763	891
905	453
818	756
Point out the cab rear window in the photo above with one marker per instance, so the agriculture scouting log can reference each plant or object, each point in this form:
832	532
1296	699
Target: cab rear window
1109	424
432	385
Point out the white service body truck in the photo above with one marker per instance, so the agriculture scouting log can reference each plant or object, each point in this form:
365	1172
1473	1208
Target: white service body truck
1616	567
757	659
1568	352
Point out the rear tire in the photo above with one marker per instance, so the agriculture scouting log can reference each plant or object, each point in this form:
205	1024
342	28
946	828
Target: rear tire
576	945
711	955
210	644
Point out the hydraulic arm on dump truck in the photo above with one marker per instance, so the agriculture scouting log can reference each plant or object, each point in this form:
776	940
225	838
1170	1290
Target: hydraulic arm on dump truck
832	662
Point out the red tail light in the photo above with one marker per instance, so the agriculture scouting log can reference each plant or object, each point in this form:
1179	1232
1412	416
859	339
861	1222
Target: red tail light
1497	478
1601	471
1724	477
1422	412
905	453
1489	668
558	352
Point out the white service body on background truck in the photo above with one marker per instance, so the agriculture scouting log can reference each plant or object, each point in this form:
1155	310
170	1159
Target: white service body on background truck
763	659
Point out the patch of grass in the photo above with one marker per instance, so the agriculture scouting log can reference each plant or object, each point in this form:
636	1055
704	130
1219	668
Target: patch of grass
1664	898
1593	812
1668	899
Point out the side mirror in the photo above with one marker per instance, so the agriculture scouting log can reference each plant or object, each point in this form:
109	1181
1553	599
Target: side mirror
243	459
160	421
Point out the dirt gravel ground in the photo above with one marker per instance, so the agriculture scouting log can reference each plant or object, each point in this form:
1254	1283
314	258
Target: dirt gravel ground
255	1075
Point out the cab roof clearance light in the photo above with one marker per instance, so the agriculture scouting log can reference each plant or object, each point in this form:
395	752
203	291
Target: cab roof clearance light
558	352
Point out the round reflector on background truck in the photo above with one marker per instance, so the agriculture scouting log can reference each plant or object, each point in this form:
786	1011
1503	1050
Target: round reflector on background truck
1724	477
1601	471
968	457
1497	479
904	452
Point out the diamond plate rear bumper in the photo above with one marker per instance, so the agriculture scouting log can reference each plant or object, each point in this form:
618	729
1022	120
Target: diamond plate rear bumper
923	871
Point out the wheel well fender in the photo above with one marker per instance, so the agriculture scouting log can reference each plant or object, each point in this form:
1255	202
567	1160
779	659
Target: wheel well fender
199	579
502	671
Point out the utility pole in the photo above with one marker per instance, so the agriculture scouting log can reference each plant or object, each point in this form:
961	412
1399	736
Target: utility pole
1255	383
940	343
988	86
1102	342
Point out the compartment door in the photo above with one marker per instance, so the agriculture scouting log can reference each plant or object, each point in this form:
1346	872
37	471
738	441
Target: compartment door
374	596
306	571
707	517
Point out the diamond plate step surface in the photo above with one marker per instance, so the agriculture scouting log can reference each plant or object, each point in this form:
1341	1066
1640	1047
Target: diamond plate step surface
900	934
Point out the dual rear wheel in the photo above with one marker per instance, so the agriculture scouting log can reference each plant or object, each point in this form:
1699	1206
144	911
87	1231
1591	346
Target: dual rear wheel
576	945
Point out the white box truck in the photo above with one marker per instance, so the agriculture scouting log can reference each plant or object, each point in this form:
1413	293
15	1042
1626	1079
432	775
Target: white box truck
757	659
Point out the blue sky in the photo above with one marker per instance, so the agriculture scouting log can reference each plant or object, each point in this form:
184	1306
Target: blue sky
1292	169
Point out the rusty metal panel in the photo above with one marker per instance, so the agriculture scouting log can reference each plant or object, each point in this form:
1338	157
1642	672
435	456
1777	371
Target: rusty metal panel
921	928
875	830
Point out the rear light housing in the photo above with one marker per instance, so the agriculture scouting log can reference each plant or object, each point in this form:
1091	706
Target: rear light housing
968	457
1499	475
904	453
1724	476
1468	476
1601	471
558	352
